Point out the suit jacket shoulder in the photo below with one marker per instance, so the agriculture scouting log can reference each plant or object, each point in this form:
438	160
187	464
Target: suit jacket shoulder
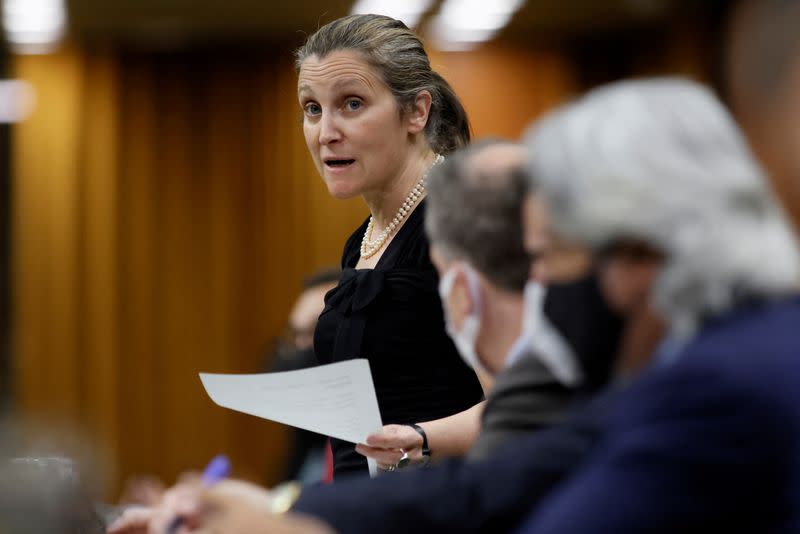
709	443
526	397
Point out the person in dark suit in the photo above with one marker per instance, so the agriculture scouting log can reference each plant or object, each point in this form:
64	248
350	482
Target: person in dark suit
750	357
708	439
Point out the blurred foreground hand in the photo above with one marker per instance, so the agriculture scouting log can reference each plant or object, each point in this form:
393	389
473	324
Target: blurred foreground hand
142	490
227	506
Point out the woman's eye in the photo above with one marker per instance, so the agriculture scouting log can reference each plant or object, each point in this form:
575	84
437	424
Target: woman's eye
353	104
312	109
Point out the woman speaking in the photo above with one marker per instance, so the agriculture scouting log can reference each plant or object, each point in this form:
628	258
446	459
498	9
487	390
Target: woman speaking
376	119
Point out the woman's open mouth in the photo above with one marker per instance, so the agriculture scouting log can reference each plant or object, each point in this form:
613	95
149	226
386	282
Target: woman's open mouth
338	163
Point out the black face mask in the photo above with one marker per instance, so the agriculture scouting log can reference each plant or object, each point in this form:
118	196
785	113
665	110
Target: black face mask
582	316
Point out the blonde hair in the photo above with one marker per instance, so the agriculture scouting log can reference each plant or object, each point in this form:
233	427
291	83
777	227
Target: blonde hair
399	57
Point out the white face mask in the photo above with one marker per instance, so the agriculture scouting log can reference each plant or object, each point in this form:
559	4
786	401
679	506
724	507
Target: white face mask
467	336
533	313
543	338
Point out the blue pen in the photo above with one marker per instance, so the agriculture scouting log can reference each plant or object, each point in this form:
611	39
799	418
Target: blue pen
217	469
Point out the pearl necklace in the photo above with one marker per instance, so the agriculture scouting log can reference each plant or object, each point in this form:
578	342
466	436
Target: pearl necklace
370	248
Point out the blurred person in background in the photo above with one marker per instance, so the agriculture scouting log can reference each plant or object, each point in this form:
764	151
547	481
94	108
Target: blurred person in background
296	350
306	450
376	119
706	440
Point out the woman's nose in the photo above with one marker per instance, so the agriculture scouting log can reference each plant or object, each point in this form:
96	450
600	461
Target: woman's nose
328	129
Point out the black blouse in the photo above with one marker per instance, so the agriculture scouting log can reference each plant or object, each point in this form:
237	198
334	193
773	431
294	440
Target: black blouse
392	316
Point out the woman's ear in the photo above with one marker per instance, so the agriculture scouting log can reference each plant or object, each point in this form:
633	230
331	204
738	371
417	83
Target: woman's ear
417	116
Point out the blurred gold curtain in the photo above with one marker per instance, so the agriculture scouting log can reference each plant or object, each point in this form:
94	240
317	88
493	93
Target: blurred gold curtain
504	87
164	212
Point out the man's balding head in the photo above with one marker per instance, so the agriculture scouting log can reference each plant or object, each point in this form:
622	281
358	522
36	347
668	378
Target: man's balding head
474	210
493	158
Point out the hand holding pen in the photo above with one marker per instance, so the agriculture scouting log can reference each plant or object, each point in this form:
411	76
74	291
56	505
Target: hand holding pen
176	504
217	469
221	506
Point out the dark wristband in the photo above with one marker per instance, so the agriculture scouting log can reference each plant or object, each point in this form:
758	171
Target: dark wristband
426	452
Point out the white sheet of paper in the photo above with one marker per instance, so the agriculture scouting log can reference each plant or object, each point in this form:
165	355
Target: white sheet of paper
336	400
